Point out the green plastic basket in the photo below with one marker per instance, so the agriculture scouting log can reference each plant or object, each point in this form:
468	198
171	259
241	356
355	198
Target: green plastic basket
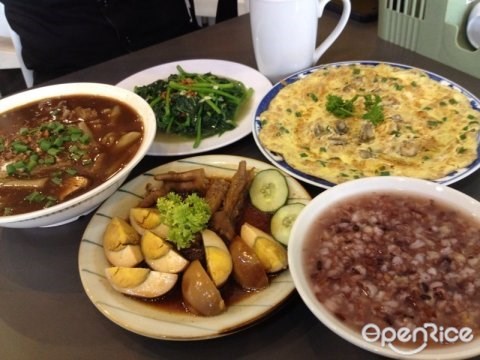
433	28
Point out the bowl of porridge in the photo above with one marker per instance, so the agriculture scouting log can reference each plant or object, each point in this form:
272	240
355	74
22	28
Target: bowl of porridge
392	265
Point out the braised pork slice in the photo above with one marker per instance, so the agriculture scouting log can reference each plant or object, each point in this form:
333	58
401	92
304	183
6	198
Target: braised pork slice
224	221
226	198
216	193
223	225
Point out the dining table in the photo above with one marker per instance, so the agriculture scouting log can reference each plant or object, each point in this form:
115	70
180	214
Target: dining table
45	312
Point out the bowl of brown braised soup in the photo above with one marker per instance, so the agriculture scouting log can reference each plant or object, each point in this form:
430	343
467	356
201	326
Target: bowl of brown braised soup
66	148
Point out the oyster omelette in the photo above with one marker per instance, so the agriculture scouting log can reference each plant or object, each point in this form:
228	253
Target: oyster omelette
358	120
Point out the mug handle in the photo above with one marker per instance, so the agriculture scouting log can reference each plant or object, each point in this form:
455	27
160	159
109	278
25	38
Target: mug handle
347	8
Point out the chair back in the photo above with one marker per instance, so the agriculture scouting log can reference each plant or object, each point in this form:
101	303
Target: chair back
7	31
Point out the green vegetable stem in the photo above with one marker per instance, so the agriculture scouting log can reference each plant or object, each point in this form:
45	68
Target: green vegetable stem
195	105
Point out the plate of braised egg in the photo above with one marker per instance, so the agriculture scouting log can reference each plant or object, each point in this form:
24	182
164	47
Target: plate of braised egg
193	249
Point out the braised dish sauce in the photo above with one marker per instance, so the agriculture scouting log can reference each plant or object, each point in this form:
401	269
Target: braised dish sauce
231	291
173	302
195	243
396	260
55	149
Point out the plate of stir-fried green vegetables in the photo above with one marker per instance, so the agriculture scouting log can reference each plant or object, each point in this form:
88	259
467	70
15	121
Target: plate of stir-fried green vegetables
201	104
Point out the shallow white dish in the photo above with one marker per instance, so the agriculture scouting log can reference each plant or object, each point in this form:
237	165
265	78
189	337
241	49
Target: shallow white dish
171	145
70	210
279	162
150	321
319	205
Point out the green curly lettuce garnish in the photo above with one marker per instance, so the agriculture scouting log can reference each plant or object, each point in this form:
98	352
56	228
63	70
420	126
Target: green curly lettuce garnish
184	217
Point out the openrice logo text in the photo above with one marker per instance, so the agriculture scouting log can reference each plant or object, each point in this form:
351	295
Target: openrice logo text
420	335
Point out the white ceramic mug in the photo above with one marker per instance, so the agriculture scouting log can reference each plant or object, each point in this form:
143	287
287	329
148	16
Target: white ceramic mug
284	34
473	26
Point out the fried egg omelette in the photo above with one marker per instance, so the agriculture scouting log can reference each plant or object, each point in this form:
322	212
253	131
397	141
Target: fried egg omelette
352	121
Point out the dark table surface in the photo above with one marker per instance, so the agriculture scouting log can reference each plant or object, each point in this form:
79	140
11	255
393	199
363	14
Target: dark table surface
44	312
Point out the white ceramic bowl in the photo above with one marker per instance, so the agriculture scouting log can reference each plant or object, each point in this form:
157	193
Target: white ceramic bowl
319	205
70	210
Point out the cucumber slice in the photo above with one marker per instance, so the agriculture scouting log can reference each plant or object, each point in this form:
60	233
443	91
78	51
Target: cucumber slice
269	190
282	221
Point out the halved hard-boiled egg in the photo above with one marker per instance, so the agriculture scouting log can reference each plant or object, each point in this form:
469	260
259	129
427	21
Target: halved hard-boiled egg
141	282
143	219
160	255
269	251
199	292
121	243
218	258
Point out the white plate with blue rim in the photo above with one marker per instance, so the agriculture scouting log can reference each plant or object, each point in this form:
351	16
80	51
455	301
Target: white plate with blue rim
278	160
162	323
174	145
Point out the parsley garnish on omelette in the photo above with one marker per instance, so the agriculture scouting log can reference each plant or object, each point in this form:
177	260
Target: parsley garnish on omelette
350	121
345	108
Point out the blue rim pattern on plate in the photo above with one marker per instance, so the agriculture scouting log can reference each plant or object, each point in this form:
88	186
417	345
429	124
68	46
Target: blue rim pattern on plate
280	162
